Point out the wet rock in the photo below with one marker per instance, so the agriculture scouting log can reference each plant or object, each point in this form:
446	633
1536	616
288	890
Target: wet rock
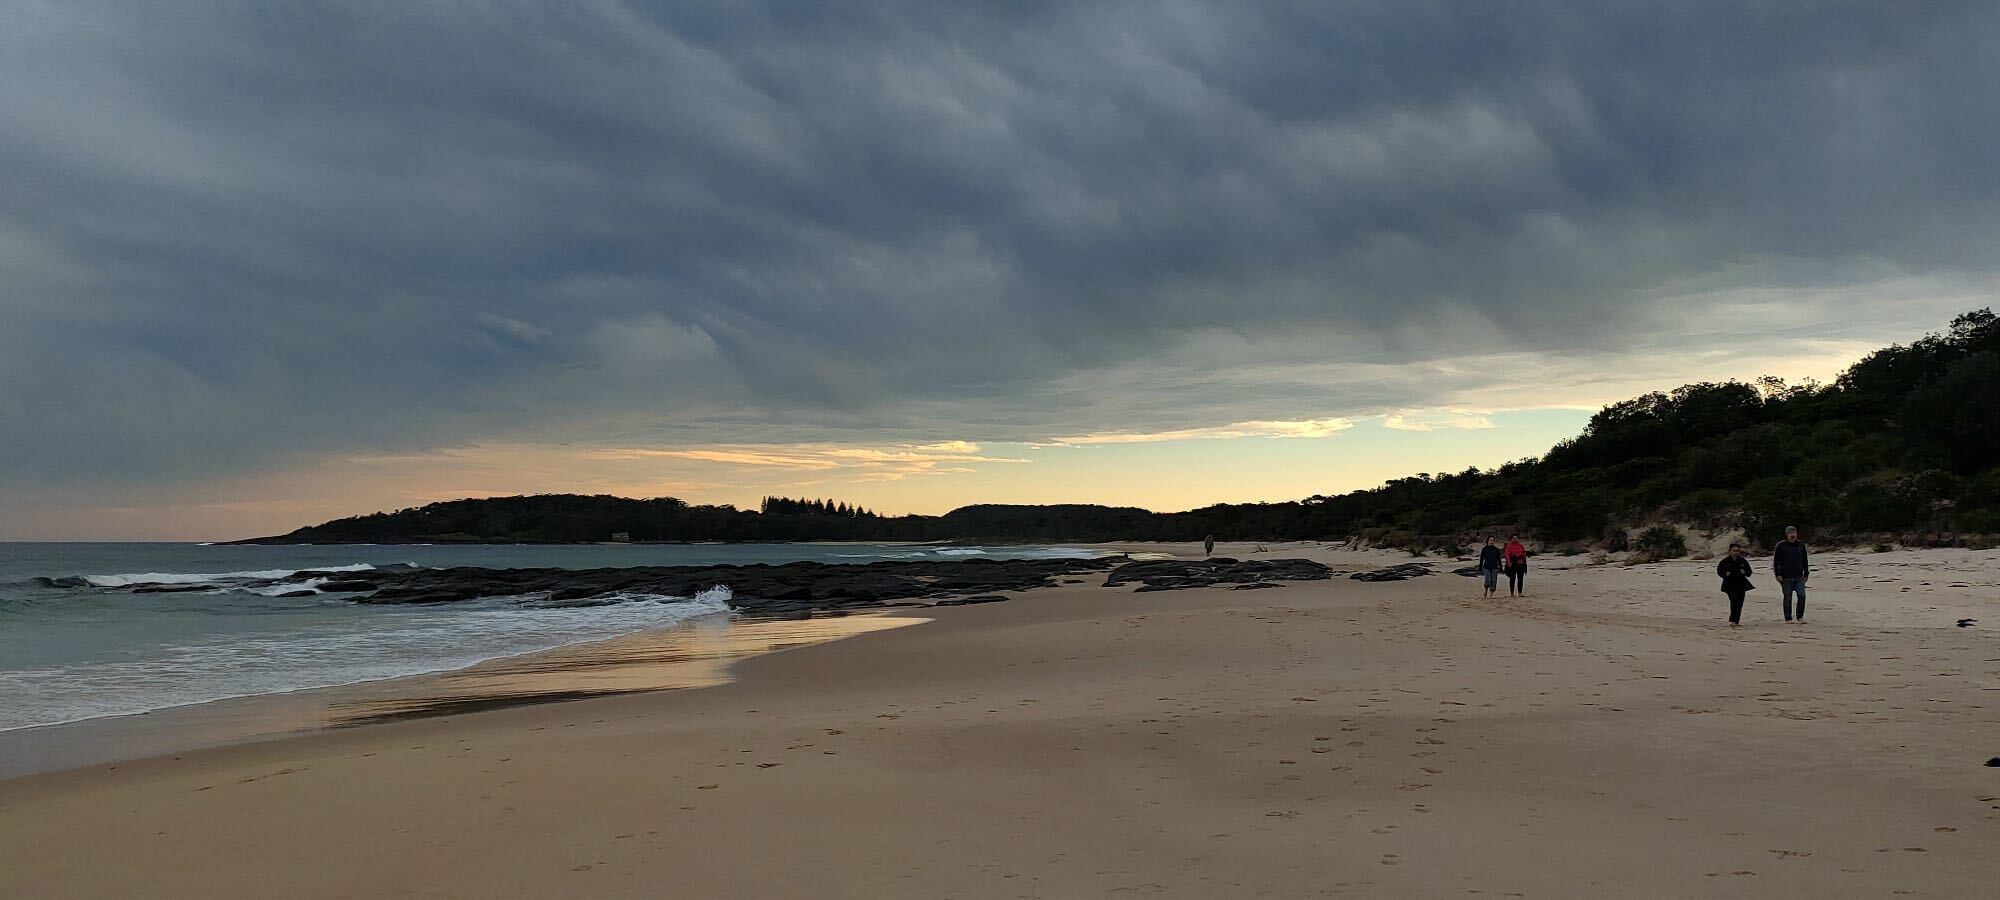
347	586
1179	574
789	590
968	601
1401	572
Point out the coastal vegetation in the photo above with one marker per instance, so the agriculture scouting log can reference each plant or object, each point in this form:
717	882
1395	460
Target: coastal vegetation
1904	445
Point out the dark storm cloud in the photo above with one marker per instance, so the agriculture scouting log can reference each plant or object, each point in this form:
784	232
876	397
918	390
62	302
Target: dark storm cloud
234	232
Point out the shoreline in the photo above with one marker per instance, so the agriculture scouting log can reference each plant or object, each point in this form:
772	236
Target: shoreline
283	715
1606	736
690	654
655	659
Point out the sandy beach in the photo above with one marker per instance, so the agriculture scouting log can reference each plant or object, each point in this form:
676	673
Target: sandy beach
1607	735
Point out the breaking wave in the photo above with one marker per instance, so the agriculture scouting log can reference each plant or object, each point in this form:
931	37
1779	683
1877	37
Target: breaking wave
360	644
144	578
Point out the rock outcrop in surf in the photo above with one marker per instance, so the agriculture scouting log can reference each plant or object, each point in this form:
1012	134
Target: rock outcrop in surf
796	589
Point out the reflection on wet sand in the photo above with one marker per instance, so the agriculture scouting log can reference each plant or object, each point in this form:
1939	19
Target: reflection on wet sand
696	654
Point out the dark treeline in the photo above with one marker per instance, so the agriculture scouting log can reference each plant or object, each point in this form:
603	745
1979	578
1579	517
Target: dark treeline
785	506
574	518
1906	441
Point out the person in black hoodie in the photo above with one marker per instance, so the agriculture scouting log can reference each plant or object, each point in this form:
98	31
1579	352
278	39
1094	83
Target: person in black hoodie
1789	563
1735	572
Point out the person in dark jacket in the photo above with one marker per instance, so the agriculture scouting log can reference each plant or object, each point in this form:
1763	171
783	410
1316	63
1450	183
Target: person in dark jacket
1489	566
1735	572
1515	555
1789	563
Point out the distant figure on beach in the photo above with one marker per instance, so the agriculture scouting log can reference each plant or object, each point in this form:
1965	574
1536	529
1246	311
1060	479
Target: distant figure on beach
1489	566
1208	546
1735	572
1516	556
1790	565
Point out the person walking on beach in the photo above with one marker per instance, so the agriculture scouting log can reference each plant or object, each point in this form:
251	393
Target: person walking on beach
1735	572
1208	546
1790	564
1516	557
1489	566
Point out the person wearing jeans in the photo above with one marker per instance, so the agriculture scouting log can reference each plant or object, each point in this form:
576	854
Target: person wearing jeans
1489	566
1790	564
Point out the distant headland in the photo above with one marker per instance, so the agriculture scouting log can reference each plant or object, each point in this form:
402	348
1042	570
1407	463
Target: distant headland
1904	446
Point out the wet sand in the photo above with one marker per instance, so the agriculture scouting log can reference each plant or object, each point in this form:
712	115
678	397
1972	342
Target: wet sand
695	654
1605	736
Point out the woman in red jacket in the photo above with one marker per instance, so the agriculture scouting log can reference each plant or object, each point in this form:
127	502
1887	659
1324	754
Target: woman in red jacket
1516	557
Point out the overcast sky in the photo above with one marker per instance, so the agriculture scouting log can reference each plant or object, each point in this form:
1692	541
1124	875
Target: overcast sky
261	264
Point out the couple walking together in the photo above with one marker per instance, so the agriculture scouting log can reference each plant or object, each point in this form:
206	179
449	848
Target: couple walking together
1788	562
1512	558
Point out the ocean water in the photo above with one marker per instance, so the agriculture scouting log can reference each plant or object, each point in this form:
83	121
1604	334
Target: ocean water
76	642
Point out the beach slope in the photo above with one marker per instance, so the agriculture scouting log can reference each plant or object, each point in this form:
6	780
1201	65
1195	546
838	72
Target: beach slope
1606	736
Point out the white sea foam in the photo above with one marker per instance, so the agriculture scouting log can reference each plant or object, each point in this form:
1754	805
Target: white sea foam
346	645
138	578
286	587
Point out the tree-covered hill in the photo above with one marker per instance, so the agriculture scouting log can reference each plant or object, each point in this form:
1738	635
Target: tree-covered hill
1905	442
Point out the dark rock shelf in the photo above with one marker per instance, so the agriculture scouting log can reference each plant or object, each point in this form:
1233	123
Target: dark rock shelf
1176	574
794	590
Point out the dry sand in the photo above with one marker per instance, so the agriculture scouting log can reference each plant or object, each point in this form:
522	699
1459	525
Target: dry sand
1606	736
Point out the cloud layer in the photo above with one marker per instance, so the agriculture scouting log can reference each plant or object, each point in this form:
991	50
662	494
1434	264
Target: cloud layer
236	236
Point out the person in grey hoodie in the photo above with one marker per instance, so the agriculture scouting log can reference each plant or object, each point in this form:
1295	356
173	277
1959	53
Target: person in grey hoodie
1790	564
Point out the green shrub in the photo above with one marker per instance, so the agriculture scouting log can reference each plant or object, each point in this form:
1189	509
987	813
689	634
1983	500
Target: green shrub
1871	506
1659	542
1980	521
